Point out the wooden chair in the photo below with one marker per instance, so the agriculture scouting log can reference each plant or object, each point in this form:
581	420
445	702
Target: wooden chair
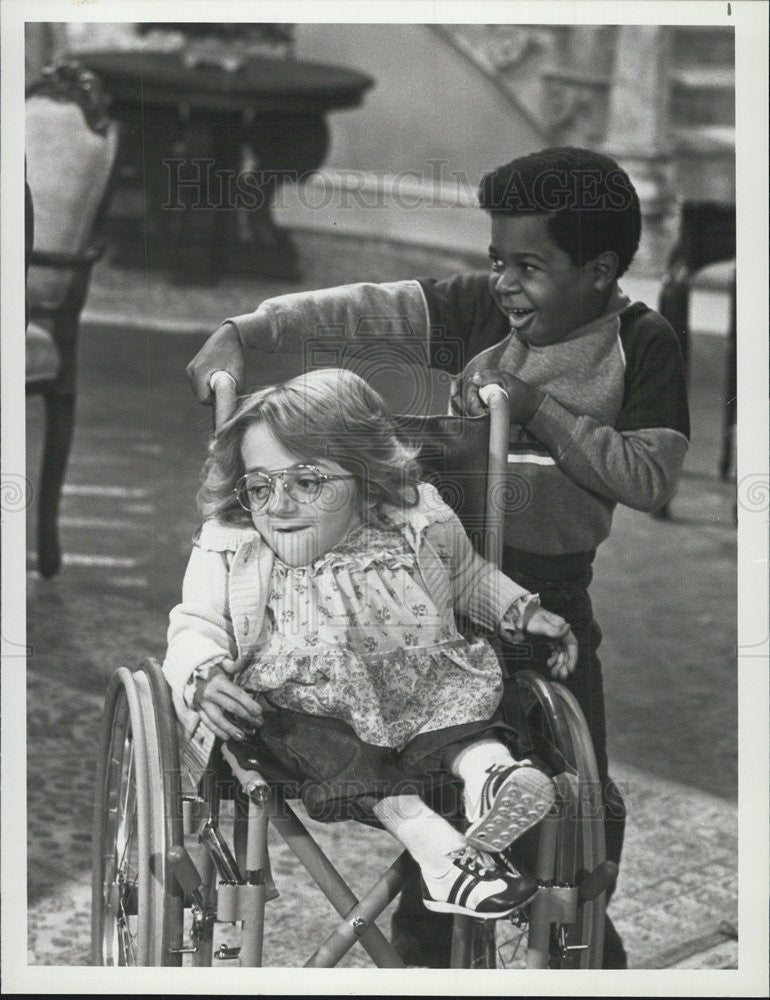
706	236
70	148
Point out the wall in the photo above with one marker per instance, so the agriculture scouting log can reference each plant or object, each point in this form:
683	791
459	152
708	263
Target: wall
451	101
429	103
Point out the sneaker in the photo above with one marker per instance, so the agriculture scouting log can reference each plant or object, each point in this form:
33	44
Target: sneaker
513	798
475	886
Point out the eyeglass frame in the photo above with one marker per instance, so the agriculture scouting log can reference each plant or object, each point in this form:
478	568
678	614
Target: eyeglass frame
324	477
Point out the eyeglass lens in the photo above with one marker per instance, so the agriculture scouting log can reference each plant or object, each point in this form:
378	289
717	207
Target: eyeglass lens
302	486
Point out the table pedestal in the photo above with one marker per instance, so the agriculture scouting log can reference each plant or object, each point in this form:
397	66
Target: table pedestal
209	150
208	185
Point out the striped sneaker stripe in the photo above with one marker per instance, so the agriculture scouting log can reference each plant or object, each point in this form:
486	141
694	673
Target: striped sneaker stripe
487	793
468	889
453	892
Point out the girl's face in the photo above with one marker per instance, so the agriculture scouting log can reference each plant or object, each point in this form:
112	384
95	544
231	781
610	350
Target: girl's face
298	532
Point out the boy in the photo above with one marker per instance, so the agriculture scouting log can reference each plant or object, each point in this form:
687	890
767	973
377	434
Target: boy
598	402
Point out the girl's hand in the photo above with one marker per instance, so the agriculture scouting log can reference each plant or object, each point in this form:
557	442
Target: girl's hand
563	659
222	703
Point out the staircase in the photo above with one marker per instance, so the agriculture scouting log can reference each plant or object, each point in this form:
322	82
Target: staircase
561	78
702	112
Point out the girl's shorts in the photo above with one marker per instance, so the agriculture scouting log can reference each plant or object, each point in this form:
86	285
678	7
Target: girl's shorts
322	761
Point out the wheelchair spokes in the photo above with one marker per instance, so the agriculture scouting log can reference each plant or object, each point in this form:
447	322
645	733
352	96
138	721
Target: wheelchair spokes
136	911
121	872
499	944
123	900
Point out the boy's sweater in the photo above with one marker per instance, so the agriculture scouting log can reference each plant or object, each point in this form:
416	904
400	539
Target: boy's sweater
613	427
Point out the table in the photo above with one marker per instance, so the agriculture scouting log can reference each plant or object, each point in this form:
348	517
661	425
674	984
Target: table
211	147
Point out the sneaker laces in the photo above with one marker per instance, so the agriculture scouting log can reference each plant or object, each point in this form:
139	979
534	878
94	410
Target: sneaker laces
476	862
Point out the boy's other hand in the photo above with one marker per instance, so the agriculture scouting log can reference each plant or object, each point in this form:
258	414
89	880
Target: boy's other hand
563	659
524	398
227	710
223	351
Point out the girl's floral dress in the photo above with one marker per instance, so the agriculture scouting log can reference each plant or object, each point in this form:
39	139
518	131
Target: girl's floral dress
356	636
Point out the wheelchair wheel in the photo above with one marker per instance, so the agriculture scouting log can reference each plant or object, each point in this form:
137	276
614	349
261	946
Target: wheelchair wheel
581	849
137	908
498	944
483	945
556	723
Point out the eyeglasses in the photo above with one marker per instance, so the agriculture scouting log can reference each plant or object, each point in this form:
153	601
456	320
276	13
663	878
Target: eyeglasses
302	483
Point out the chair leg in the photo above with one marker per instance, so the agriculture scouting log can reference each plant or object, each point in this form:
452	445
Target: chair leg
729	415
59	423
674	304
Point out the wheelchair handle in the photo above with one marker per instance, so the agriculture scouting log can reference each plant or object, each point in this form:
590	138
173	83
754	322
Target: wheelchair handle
223	387
489	391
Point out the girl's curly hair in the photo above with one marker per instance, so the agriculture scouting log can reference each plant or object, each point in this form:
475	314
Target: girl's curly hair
328	414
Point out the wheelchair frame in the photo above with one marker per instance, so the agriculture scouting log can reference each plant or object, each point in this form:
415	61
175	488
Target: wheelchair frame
152	904
145	880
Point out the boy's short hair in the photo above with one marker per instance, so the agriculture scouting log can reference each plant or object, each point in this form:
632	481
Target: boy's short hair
589	200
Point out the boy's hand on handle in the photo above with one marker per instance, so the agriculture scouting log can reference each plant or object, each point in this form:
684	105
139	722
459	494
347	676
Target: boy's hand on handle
524	398
227	710
223	351
563	659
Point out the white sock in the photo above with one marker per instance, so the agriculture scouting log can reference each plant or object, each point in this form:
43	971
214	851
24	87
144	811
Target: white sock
426	835
470	765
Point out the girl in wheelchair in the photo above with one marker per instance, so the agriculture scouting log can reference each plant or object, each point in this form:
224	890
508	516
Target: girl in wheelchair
317	636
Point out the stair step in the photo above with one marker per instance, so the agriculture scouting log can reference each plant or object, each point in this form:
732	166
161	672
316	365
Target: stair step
705	45
705	163
705	139
704	77
702	106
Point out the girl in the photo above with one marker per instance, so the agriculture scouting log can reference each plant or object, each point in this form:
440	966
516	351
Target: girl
317	635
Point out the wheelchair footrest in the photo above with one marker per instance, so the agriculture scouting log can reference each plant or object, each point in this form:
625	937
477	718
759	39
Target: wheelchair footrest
593	884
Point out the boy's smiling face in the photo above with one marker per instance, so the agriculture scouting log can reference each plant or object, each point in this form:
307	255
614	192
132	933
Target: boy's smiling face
545	295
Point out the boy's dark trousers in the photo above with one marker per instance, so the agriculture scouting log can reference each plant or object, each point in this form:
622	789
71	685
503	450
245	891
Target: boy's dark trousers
562	583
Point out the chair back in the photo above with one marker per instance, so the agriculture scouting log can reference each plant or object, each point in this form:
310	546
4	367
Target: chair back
71	148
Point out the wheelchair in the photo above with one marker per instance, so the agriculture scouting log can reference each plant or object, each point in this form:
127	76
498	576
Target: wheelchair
170	865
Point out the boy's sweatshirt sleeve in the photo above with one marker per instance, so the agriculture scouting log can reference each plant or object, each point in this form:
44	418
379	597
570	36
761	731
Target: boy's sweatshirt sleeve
364	311
638	461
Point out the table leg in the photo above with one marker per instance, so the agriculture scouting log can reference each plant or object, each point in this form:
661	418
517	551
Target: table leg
197	199
208	184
